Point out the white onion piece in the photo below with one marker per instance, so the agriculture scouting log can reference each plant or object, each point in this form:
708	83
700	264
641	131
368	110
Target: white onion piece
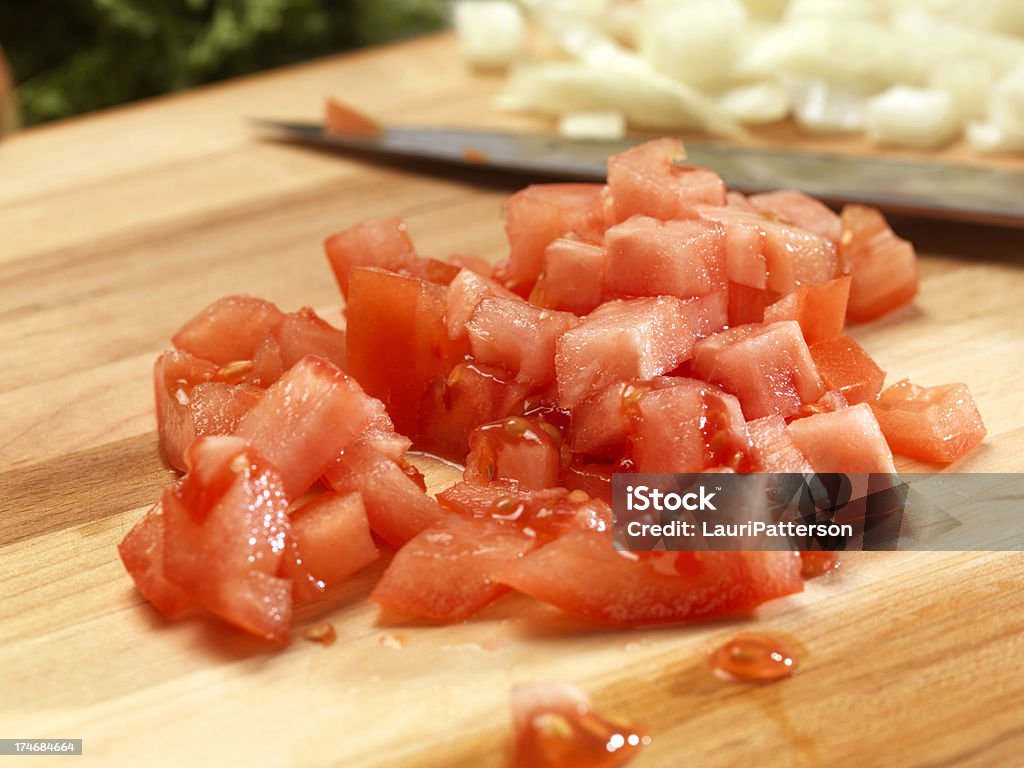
855	54
1006	103
822	107
491	33
557	88
858	10
756	103
766	9
911	117
693	41
990	138
607	125
940	39
967	81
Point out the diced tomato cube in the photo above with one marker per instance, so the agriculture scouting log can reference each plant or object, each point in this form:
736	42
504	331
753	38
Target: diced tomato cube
225	532
538	214
845	367
595	480
524	450
706	315
766	253
397	340
307	418
883	266
739	201
802	210
305	333
772	448
142	552
473	394
191	402
464	293
547	513
383	243
820	309
396	506
444	573
573	276
330	540
848	440
929	423
767	366
688	427
518	336
582	574
620	340
647	257
228	330
747	305
649	180
601	424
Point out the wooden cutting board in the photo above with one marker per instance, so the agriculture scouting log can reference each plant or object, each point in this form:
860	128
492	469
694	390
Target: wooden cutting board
115	228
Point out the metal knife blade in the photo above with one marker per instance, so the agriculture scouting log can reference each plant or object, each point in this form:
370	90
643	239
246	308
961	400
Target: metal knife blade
981	194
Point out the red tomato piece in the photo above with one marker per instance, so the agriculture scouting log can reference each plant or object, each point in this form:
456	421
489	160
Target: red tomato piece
883	267
688	427
846	368
396	506
772	448
229	329
225	532
397	340
595	480
524	450
464	293
766	253
707	315
473	394
519	337
648	257
817	563
546	514
537	215
308	417
573	276
142	552
383	243
192	400
555	726
848	440
444	573
802	210
601	423
747	305
581	574
929	423
820	309
767	366
649	180
330	540
305	333
620	340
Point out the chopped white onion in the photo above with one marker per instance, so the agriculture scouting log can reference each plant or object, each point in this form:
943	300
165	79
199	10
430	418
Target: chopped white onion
716	65
823	107
694	41
756	103
608	125
911	117
491	33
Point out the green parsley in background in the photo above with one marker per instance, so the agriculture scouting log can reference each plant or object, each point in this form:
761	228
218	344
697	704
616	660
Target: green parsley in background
74	56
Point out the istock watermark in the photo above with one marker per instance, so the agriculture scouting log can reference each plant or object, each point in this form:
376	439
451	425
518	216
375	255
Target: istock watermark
939	511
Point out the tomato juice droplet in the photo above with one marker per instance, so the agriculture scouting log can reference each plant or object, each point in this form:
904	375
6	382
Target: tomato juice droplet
754	657
817	563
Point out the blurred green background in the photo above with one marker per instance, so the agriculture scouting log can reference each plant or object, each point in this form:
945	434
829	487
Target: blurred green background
73	56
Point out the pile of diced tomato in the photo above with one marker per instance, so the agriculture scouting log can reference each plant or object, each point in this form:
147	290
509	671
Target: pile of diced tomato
657	323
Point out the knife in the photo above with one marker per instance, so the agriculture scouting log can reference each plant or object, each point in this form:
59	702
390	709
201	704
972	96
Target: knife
983	194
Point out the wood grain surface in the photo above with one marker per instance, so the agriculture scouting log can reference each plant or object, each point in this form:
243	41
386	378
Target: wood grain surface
114	228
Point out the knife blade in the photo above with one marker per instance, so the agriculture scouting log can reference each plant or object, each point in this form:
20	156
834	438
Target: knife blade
982	194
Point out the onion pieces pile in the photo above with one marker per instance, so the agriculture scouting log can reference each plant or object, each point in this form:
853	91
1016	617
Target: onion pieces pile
910	73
